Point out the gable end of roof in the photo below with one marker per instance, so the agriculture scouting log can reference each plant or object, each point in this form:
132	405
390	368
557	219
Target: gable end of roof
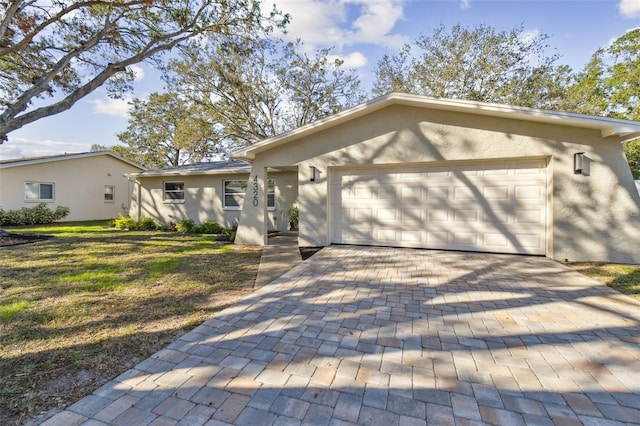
625	129
52	158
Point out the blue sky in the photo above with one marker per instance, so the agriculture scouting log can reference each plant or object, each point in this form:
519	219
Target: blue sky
361	31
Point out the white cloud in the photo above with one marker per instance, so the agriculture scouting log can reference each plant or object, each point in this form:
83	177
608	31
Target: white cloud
114	107
465	4
352	60
629	8
322	23
138	71
17	147
530	35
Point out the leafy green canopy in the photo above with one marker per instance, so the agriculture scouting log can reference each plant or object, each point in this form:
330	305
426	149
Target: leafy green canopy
479	64
166	130
610	83
610	86
57	52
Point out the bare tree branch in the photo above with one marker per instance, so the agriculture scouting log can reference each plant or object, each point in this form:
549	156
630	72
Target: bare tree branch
76	47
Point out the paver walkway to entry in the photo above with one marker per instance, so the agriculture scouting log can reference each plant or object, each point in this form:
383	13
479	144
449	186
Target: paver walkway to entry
381	336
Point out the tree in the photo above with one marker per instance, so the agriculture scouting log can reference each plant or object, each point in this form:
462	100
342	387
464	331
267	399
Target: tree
57	52
479	64
610	83
632	151
166	130
255	88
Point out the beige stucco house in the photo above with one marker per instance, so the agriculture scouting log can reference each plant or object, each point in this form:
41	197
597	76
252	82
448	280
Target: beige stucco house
413	171
210	191
91	184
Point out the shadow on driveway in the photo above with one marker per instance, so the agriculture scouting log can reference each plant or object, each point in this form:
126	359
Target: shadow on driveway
365	335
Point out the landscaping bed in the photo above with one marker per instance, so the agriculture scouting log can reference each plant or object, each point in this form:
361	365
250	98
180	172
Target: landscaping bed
84	306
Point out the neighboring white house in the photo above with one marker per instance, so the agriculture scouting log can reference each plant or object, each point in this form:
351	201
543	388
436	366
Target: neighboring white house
209	191
413	171
91	184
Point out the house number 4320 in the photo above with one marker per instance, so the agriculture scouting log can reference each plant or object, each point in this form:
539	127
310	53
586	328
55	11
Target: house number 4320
255	191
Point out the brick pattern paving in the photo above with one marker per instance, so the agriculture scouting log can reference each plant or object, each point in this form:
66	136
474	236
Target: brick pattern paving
381	336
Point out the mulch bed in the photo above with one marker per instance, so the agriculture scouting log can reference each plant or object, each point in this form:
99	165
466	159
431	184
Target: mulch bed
16	239
307	252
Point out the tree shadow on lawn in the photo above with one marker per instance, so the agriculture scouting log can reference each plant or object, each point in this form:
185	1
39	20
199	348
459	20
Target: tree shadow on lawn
106	329
492	338
11	239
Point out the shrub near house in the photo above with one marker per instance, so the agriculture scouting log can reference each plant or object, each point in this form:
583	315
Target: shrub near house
186	226
38	215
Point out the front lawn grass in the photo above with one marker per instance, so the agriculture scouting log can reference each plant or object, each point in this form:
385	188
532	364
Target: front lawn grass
624	278
78	309
65	228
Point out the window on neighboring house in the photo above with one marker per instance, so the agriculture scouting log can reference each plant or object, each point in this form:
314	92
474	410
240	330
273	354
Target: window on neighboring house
234	191
109	193
39	191
174	191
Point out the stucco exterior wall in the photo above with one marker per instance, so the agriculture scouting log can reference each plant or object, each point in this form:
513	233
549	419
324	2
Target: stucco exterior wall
594	217
79	185
204	199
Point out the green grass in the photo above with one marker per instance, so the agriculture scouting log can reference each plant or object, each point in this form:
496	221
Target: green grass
87	304
65	228
10	310
624	278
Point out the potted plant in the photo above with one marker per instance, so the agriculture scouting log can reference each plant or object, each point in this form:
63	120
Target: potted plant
292	215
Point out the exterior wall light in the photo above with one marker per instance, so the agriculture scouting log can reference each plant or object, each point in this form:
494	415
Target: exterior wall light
312	177
578	163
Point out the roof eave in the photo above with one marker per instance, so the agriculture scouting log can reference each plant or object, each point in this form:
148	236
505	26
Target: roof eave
54	158
624	129
189	173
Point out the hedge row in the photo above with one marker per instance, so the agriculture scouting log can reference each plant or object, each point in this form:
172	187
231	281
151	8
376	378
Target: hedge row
38	215
187	226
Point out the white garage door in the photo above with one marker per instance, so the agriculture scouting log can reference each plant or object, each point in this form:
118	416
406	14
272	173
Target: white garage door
490	206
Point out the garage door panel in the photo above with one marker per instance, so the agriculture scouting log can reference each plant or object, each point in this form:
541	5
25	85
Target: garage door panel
529	192
497	241
438	193
386	235
529	243
463	239
466	216
464	193
438	215
531	216
496	192
493	206
500	216
411	236
437	239
387	192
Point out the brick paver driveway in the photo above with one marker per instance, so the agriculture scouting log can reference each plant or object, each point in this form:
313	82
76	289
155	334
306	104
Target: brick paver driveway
394	336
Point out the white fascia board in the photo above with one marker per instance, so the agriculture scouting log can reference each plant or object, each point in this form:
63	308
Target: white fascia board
54	158
625	129
188	173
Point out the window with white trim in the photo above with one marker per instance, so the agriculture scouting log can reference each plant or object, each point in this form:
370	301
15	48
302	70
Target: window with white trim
234	191
109	193
271	194
39	191
174	192
233	194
